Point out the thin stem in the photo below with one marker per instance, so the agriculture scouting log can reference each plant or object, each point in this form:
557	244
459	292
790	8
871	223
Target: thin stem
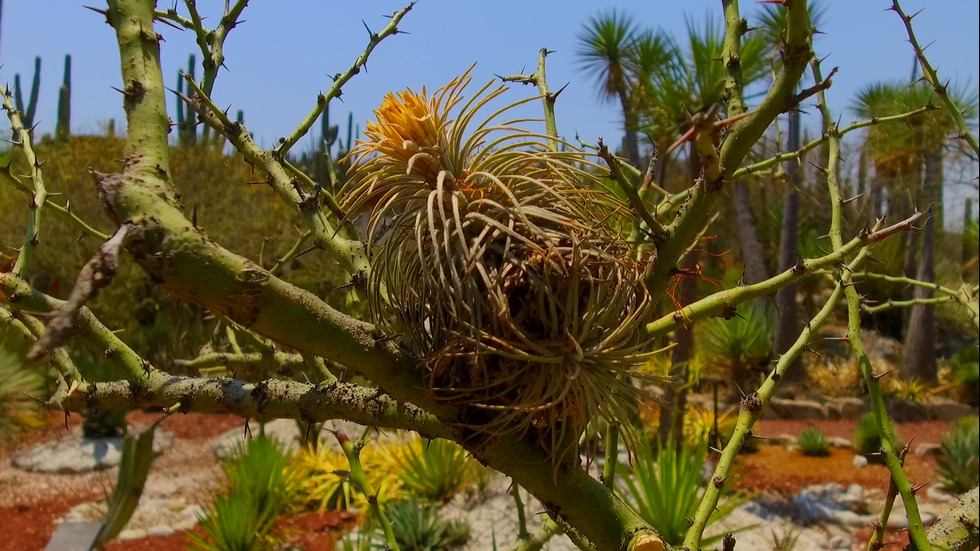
798	154
540	80
292	253
611	458
929	74
339	80
360	481
724	302
917	534
522	533
22	139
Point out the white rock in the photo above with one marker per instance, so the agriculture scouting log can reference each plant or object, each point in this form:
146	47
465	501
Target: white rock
160	530
860	461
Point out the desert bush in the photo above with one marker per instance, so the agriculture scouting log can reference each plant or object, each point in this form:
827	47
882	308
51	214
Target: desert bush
434	470
419	527
959	456
965	368
262	484
666	485
912	390
325	484
738	347
813	443
699	424
841	378
866	438
18	383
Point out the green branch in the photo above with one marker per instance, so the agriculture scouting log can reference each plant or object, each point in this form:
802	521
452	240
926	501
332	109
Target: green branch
540	80
724	302
339	80
750	411
959	528
798	154
917	533
22	140
735	28
349	253
930	76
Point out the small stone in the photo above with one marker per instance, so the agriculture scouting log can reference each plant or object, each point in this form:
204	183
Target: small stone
927	448
949	411
860	461
839	442
132	534
798	410
849	408
160	530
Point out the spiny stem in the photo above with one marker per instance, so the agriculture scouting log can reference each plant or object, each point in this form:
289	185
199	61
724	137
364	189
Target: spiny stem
917	533
339	81
22	139
929	74
360	481
540	80
719	302
798	154
750	411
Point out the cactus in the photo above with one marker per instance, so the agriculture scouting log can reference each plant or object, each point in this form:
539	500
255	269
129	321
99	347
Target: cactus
63	129
27	115
186	129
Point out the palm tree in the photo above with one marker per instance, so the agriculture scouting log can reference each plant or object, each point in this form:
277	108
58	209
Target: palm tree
605	45
671	84
908	161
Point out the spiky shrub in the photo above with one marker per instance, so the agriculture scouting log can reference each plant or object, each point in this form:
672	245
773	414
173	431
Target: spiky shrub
959	456
17	384
866	438
912	390
434	470
739	346
666	487
501	264
813	443
419	527
699	425
965	366
262	483
325	481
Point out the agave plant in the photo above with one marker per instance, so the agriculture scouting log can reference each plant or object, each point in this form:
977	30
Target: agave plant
959	458
500	262
435	470
666	487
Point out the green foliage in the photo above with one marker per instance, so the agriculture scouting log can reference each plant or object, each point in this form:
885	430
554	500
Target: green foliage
18	382
665	489
866	437
813	443
434	470
419	527
912	390
326	479
959	456
965	366
739	346
787	541
262	484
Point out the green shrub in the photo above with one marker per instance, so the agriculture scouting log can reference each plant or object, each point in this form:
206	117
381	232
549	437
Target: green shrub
959	456
739	346
262	484
965	366
434	470
665	489
813	443
418	527
866	438
18	383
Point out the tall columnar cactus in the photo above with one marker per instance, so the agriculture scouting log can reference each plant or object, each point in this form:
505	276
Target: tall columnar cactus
63	129
27	115
186	130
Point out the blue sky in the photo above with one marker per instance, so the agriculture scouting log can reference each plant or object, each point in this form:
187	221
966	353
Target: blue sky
280	57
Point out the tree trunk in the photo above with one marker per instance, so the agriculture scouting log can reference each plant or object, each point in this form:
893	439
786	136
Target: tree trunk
788	322
753	256
631	143
919	361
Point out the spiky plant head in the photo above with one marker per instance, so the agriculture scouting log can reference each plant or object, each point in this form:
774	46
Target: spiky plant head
502	265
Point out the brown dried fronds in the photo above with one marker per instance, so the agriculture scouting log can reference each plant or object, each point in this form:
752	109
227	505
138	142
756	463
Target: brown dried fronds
502	264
